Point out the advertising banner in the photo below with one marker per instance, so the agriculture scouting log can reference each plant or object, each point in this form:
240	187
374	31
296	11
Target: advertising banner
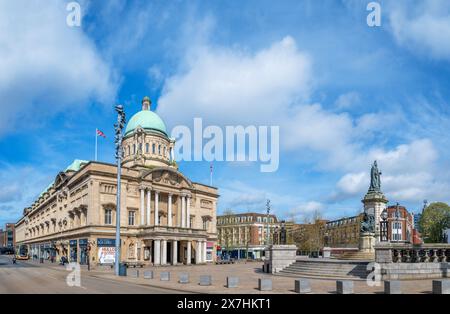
106	255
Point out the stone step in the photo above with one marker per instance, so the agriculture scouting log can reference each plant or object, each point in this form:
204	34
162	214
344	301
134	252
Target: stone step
329	267
357	269
286	273
357	256
331	271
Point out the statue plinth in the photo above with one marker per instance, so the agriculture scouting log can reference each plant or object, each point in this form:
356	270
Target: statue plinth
367	242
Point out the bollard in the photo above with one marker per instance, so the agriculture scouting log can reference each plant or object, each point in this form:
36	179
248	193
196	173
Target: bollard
165	276
148	274
441	286
133	273
344	287
302	286
183	278
232	282
265	284
392	287
205	280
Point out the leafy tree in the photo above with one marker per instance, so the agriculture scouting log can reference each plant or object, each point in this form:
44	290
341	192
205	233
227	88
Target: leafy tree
435	219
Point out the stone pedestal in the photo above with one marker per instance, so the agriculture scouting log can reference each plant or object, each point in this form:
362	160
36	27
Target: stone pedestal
367	242
279	257
326	252
375	201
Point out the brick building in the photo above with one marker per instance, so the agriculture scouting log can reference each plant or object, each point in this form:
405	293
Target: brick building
241	233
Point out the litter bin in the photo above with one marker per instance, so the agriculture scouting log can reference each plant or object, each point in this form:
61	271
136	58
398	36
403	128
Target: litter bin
41	260
122	269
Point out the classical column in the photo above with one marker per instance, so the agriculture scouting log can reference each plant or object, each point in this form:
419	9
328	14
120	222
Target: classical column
156	208
149	197
163	252
188	255
183	213
197	252
174	252
142	209
157	252
169	210
204	251
188	211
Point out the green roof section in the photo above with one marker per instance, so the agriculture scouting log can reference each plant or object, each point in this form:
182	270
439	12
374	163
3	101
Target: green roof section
76	165
148	120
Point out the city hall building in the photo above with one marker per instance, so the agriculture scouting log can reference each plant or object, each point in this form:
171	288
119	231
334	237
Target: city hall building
165	218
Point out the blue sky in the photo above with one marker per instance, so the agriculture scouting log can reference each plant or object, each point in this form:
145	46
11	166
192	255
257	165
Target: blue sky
342	93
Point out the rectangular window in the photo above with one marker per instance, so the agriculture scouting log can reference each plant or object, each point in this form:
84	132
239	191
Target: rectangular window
108	216
147	147
131	215
205	225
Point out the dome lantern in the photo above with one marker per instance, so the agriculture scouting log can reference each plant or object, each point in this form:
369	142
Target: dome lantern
146	103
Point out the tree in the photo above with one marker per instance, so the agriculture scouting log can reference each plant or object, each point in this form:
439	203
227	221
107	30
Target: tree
435	219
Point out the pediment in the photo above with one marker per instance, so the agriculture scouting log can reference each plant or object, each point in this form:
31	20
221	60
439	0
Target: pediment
168	176
60	179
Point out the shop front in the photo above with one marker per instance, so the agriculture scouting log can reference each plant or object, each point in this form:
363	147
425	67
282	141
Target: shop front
73	245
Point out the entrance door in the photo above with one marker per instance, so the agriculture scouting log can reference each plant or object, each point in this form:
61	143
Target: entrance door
169	252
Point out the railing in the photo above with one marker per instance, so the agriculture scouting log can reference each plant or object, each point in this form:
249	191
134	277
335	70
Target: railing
409	253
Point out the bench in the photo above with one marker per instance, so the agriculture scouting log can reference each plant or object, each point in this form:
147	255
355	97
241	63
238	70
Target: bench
134	264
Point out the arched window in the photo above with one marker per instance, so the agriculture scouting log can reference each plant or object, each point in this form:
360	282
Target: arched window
134	149
147	147
164	151
153	148
131	250
129	150
159	149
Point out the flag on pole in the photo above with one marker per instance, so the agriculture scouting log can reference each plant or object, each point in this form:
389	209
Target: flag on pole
100	133
97	134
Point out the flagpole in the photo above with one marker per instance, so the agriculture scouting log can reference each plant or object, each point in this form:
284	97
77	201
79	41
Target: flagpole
210	174
96	144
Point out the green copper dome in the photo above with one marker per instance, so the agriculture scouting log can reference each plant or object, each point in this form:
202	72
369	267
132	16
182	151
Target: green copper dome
148	120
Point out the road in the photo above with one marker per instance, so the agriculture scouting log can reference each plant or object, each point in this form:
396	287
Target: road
28	277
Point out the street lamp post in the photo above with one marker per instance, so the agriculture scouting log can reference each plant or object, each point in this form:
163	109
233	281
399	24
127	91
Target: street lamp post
384	226
397	219
118	141
267	222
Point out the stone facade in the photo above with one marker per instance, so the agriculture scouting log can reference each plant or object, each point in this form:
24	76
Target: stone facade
165	218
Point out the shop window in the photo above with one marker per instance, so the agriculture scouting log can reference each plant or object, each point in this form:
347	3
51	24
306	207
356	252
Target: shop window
131	218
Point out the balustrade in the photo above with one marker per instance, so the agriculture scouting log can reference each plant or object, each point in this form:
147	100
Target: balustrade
427	254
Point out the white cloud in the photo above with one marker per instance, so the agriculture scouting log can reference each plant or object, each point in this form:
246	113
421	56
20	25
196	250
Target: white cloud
20	186
47	66
234	86
422	26
347	100
410	172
